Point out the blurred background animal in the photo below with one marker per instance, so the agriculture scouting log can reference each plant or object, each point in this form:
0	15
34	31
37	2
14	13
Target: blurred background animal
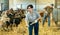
12	17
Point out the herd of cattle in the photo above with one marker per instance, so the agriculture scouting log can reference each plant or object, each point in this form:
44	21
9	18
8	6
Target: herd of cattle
10	17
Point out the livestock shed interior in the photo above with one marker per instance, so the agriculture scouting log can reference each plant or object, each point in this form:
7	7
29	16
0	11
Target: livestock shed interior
15	24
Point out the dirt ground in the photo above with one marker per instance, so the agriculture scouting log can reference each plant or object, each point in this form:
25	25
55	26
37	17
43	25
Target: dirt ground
23	30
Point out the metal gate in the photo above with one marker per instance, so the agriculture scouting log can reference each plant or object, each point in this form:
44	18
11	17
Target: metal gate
56	14
5	5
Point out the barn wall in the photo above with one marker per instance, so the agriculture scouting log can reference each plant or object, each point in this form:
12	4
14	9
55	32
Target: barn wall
20	3
45	1
23	3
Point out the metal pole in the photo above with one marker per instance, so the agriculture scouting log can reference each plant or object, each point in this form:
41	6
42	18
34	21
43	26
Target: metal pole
55	3
21	6
35	4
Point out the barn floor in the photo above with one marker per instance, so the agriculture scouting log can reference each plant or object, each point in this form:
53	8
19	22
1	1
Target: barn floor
23	30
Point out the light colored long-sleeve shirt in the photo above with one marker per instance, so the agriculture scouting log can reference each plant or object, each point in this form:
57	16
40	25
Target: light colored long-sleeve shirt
32	17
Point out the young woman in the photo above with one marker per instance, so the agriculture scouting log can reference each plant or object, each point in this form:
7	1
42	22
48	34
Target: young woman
32	18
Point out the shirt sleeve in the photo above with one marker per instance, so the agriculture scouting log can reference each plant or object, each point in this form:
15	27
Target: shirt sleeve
38	15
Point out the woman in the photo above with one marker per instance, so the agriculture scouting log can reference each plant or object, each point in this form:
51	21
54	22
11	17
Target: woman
32	20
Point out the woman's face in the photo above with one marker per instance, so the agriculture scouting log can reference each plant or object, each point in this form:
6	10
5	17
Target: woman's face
30	9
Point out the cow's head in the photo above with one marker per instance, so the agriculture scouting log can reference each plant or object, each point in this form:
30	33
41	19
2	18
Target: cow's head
22	13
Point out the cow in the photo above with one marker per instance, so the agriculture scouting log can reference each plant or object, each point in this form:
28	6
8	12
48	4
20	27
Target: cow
10	17
19	15
4	19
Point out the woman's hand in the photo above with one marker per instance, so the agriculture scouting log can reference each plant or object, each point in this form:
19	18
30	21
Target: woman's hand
34	22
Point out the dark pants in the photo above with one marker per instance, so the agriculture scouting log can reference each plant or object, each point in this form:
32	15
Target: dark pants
36	27
44	18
